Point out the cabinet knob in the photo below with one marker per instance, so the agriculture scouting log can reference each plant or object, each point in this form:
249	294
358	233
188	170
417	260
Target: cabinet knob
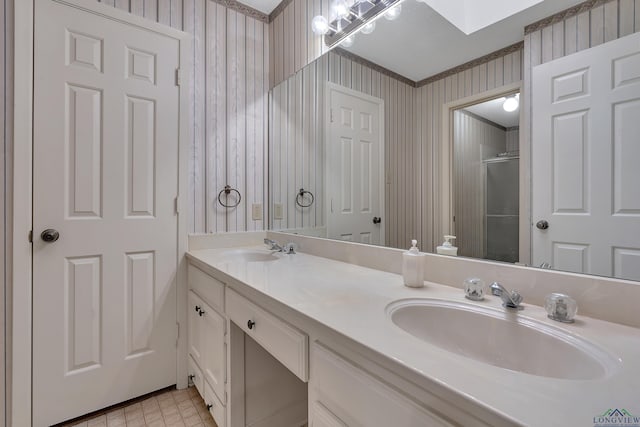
251	324
200	312
197	308
209	406
191	377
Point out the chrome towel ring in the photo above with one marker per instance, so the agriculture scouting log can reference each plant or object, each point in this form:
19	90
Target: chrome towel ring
300	198
227	190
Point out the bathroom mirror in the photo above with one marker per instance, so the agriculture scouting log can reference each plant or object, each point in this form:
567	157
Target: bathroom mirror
405	133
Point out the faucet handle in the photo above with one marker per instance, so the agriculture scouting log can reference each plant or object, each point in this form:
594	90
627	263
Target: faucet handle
290	248
560	307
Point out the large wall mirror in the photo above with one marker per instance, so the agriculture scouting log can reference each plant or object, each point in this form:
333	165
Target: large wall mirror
412	128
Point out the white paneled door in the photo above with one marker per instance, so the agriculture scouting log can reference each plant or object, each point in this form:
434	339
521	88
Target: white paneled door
355	167
586	179
106	132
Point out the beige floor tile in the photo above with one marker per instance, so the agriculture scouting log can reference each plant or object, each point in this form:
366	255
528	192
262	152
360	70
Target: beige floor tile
116	421
156	423
192	420
173	408
153	416
100	421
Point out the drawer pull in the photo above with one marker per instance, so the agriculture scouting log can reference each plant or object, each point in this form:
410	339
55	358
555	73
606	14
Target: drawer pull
251	324
209	406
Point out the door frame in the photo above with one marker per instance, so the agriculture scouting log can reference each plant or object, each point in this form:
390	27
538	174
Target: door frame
20	382
334	87
445	225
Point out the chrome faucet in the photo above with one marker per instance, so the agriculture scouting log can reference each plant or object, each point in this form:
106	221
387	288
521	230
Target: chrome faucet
510	300
273	245
289	248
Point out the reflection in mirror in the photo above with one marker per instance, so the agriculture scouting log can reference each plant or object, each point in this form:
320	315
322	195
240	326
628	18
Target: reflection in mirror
534	191
486	179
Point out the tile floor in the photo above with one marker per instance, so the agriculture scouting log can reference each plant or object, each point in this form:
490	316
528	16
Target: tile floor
173	408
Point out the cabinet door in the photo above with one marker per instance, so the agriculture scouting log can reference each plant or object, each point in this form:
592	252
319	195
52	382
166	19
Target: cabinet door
195	328
359	399
213	362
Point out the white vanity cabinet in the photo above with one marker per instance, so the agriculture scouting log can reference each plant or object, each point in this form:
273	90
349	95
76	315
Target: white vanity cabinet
341	394
207	341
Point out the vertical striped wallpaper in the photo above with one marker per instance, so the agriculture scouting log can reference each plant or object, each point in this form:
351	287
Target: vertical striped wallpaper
297	144
293	43
6	129
229	93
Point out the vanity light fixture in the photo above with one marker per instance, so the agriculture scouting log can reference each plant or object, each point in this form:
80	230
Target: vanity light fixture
511	103
349	16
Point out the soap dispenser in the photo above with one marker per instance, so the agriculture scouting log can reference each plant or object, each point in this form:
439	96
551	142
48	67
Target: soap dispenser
447	248
413	266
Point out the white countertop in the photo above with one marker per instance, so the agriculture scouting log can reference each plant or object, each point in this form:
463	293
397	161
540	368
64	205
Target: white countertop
352	300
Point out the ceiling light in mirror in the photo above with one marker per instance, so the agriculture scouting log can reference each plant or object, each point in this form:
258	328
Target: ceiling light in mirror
320	25
511	104
341	9
393	13
368	28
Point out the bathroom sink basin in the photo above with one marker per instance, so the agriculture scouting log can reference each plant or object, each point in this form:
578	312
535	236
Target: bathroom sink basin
504	339
249	255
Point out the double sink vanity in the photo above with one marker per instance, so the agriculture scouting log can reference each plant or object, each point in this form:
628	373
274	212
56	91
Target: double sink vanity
278	339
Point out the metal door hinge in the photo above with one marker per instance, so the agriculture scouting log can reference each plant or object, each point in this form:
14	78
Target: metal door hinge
177	204
178	77
30	236
331	115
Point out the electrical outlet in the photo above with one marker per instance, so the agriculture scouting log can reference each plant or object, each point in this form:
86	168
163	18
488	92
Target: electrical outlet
256	212
277	211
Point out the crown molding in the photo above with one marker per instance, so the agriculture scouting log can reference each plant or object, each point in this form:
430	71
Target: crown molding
362	61
279	9
468	65
565	14
244	9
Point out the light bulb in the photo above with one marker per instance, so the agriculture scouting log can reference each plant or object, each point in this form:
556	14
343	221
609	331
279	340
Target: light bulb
393	13
341	9
510	104
347	41
320	25
368	28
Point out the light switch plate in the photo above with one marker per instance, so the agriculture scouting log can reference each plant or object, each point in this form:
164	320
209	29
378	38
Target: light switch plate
256	212
277	211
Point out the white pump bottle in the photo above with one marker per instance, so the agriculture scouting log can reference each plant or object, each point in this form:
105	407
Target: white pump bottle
413	266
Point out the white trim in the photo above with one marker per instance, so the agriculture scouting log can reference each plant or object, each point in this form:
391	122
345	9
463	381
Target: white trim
327	134
19	393
446	225
20	390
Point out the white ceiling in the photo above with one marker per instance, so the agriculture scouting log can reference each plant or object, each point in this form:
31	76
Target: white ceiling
264	6
494	112
421	43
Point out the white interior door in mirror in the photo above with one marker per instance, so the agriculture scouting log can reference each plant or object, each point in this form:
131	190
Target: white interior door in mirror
585	152
355	167
106	121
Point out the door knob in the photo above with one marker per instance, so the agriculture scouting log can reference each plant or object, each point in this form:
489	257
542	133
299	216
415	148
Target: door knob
377	220
50	235
542	224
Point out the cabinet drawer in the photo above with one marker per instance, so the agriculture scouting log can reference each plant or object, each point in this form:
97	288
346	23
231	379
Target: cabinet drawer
210	290
284	342
344	394
216	408
196	376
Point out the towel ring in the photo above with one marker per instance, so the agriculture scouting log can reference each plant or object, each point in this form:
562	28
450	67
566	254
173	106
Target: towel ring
300	198
227	190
